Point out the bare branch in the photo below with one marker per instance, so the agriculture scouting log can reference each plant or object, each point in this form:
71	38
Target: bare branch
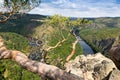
5	18
58	44
73	50
44	70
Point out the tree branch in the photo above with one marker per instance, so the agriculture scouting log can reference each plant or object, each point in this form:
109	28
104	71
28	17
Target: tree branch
73	50
44	70
58	44
5	18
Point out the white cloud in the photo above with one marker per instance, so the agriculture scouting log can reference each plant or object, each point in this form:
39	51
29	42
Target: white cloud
58	1
1	2
79	8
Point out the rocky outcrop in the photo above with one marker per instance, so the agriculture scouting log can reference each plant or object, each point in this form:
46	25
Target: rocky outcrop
91	67
115	75
104	45
115	55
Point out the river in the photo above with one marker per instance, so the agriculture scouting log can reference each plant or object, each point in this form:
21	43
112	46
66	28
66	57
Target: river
86	48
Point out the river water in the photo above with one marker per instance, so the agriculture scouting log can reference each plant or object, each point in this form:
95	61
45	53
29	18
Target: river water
86	48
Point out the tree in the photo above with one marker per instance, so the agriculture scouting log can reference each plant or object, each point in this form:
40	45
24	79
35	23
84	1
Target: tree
10	7
81	23
70	26
58	21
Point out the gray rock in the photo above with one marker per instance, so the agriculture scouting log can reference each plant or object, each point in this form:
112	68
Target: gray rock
91	67
115	75
115	55
104	45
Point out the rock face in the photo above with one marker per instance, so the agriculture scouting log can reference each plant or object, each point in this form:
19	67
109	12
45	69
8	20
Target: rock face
104	45
91	67
115	55
115	75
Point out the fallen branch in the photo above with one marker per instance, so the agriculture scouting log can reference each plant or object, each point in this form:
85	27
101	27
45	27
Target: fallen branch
44	70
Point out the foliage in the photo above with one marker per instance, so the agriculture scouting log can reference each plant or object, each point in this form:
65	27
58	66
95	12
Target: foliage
66	22
15	41
58	21
12	71
2	70
81	23
21	5
10	7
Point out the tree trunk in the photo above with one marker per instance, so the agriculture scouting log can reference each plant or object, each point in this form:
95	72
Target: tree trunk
44	70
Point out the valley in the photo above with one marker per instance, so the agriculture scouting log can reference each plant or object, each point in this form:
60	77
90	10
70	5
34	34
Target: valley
98	36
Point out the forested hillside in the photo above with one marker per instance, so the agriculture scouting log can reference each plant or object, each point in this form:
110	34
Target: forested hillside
105	22
23	24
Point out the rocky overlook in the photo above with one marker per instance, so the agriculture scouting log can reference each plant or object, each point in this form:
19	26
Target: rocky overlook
93	67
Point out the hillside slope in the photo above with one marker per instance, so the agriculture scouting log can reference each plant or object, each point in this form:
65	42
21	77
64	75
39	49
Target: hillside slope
112	22
101	40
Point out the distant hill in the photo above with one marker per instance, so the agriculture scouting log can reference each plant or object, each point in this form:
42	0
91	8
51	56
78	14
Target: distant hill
19	23
103	22
113	22
22	24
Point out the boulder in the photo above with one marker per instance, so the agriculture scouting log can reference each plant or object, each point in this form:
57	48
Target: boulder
91	67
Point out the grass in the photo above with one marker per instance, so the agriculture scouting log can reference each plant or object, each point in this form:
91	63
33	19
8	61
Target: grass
15	41
102	33
10	68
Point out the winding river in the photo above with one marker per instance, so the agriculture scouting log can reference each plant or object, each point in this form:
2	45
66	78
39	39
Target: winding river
86	48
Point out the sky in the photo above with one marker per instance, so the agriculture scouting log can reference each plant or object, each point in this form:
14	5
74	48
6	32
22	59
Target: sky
79	8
